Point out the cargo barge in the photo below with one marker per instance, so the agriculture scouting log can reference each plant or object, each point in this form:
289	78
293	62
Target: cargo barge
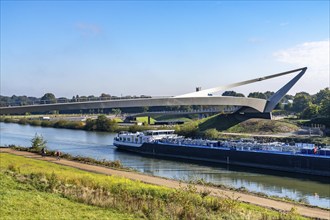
300	158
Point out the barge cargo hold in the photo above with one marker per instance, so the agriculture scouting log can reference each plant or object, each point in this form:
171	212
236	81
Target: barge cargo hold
274	156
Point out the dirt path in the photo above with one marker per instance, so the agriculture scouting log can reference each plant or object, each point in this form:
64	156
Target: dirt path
264	202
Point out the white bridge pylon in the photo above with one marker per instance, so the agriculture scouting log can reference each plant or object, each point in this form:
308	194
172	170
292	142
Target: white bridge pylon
211	91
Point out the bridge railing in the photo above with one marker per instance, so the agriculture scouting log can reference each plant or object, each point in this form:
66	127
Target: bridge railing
195	111
79	99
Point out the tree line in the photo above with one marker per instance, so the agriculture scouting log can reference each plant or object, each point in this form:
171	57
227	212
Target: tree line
50	98
305	105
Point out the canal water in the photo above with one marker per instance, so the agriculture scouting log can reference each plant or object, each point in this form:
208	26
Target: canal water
98	145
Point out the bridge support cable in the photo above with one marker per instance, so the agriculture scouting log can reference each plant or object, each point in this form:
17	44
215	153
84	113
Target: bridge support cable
276	98
207	92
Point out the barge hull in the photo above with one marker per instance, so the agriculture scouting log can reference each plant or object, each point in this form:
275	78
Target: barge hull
297	163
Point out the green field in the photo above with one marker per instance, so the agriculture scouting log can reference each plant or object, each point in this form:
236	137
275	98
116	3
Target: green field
34	189
145	120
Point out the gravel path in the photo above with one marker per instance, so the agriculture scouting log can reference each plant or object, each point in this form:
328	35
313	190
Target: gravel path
253	199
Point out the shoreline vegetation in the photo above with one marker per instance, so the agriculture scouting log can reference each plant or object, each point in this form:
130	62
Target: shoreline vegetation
209	128
118	166
116	194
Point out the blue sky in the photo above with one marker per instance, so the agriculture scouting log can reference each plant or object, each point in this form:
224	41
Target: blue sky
158	47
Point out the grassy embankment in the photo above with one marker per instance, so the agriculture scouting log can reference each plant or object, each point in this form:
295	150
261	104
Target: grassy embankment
184	118
234	124
218	126
144	120
118	166
32	189
24	201
240	125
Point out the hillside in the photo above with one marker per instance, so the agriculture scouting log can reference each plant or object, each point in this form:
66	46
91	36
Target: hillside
239	124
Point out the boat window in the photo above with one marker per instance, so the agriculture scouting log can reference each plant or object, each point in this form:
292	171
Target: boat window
136	139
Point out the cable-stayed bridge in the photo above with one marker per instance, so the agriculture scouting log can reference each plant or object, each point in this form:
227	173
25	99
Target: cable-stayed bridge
243	105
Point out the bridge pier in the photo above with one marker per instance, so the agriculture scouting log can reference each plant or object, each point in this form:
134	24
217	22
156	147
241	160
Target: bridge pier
148	120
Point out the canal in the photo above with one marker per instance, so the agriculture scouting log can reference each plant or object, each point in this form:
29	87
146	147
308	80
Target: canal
98	145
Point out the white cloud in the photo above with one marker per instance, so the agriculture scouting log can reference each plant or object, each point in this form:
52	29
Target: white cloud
312	53
315	56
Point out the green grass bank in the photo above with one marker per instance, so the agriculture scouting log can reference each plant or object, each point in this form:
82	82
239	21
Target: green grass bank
34	189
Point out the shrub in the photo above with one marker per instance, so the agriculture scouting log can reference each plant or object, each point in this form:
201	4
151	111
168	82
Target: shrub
38	142
35	122
211	134
23	121
46	124
9	120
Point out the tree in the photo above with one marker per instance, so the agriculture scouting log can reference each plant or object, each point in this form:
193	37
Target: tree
187	130
105	96
268	94
83	98
279	106
288	97
90	125
48	98
211	134
116	111
325	107
303	93
232	93
321	95
258	95
288	106
301	101
310	111
38	142
62	100
104	124
101	123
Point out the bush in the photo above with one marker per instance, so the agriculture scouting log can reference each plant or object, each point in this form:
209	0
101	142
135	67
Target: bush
9	120
35	122
23	121
47	124
38	142
188	130
211	134
135	128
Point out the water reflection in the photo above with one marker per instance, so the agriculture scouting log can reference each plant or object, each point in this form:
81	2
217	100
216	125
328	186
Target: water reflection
98	145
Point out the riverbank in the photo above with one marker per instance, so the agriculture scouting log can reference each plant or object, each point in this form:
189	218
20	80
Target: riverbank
201	128
118	166
263	202
98	145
